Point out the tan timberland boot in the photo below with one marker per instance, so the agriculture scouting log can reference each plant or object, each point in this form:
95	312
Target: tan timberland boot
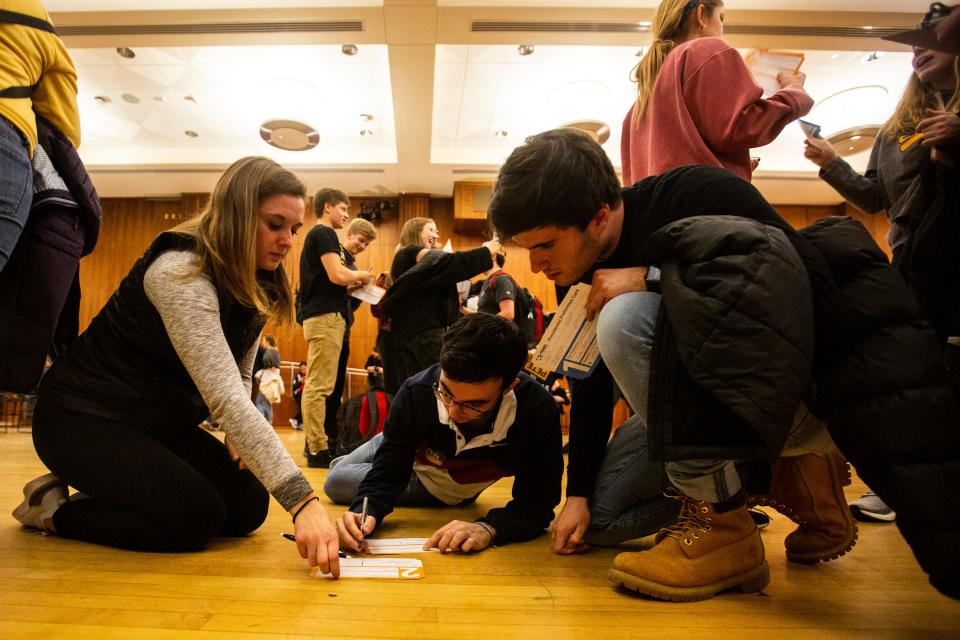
703	554
808	489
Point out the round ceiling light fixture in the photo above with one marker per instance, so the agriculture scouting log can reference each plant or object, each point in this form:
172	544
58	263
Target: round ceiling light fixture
126	52
289	135
129	98
851	108
852	141
525	49
596	129
349	49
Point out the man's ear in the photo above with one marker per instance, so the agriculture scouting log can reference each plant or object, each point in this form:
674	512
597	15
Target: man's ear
510	387
601	219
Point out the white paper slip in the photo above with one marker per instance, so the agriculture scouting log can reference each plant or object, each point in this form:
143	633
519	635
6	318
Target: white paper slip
390	568
765	65
387	546
369	293
569	345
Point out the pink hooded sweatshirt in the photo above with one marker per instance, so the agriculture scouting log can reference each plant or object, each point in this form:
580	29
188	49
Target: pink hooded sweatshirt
705	109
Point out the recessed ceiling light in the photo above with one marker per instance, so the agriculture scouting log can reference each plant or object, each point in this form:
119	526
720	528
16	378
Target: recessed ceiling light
366	133
290	135
525	49
349	49
854	140
872	56
191	98
501	133
159	99
596	129
868	27
125	52
645	24
102	99
190	133
129	98
366	117
834	56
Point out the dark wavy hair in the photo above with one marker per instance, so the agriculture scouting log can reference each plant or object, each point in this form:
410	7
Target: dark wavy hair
481	347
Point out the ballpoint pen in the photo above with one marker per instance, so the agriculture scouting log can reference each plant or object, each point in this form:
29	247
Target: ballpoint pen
363	514
293	538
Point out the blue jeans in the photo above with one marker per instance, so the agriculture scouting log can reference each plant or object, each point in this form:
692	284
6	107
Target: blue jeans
264	406
16	188
628	500
347	472
625	333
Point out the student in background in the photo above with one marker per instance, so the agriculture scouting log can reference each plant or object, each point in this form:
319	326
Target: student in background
181	333
270	388
697	102
324	308
297	391
908	178
360	234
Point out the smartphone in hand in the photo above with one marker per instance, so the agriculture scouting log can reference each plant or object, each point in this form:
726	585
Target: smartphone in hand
809	129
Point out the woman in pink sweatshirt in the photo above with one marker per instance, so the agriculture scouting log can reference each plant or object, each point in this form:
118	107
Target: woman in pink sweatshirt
697	102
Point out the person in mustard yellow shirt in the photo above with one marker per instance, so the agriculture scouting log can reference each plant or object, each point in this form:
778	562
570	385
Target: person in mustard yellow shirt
37	78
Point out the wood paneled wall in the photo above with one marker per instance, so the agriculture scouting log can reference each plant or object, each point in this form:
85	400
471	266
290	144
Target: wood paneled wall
130	224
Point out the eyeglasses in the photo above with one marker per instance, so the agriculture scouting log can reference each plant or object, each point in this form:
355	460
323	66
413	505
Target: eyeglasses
468	408
938	11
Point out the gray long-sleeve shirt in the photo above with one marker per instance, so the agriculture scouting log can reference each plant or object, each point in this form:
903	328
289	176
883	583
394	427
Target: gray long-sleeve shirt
891	183
190	312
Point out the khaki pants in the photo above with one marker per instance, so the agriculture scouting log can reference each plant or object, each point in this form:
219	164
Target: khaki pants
324	335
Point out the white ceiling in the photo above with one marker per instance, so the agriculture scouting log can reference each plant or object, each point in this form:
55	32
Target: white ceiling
438	92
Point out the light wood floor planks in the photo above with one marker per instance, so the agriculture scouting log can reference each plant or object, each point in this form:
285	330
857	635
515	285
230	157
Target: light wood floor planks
259	588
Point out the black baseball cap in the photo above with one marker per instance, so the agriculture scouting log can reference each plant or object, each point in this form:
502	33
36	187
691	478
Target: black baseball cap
924	36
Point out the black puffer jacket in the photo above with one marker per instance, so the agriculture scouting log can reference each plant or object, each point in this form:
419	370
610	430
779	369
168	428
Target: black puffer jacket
734	351
884	395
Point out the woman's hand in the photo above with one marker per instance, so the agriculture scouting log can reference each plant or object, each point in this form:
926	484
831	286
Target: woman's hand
940	128
317	538
786	79
819	152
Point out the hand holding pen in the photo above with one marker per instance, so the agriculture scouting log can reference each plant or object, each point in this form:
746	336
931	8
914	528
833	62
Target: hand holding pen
354	527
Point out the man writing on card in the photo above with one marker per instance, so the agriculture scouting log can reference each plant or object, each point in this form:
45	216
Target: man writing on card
453	430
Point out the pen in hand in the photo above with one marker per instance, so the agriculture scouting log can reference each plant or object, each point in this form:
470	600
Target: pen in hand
293	538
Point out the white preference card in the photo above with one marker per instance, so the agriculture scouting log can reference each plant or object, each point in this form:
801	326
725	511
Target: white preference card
765	66
389	568
569	345
369	293
388	546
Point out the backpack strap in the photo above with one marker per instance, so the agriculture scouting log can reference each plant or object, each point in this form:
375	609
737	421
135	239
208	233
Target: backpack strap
370	398
12	17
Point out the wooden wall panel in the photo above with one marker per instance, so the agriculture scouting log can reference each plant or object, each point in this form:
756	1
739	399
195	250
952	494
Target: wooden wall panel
130	224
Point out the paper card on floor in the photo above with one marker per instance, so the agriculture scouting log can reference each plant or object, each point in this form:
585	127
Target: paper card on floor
765	65
390	568
569	345
369	293
387	546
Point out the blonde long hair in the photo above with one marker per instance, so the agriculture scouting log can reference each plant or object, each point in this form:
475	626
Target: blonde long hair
916	99
226	234
669	29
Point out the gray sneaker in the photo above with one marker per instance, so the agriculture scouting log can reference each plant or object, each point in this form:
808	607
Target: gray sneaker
870	508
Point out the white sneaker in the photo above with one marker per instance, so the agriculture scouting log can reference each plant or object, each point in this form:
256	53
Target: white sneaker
41	498
871	508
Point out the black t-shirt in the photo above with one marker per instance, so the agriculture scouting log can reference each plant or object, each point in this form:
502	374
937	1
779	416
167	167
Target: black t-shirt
317	294
503	289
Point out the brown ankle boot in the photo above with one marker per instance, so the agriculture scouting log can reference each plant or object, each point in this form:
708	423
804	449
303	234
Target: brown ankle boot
808	489
703	554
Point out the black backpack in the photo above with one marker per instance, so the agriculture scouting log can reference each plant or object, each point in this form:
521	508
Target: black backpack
360	418
527	309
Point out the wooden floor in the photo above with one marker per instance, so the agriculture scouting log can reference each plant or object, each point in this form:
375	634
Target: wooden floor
259	588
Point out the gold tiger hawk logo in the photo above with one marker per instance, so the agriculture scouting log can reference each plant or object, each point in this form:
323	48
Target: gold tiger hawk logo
908	141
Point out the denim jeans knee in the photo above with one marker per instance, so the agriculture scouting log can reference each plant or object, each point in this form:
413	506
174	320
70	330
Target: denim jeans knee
625	333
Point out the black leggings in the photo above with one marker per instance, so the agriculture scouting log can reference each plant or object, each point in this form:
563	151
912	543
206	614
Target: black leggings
168	490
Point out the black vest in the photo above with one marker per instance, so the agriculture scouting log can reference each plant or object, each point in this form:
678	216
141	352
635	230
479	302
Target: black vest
124	365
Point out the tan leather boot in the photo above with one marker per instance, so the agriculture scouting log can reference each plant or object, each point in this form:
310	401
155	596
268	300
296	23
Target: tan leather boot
703	554
808	489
